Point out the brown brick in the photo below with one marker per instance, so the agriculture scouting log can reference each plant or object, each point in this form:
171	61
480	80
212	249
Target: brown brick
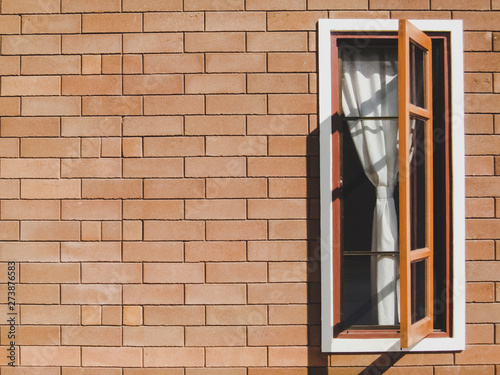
285	371
291	271
50	273
288	314
215	125
9	148
30	127
101	273
216	209
482	186
153	167
153	336
39	294
51	24
111	105
99	336
91	294
30	6
482	62
215	336
89	6
176	357
10	106
153	84
48	315
236	272
32	252
78	44
482	270
133	230
236	21
10	65
10	24
236	356
132	147
487	21
478	82
174	315
50	147
288	188
465	370
215	167
233	145
31	45
32	335
9	189
158	125
294	20
178	21
174	105
477	41
236	315
236	104
90	252
152	251
153	209
215	83
213	251
276	5
480	334
480	250
277	166
292	103
482	228
30	210
215	294
236	62
215	42
277	208
278	83
178	146
111	64
49	356
112	315
92	85
152	43
91	168
292	62
174	273
394	4
277	335
237	230
277	250
480	292
277	293
50	189
277	42
132	64
30	168
91	126
111	23
479	354
51	106
479	165
9	230
151	5
174	230
174	63
280	124
479	207
153	294
129	357
236	188
174	188
191	5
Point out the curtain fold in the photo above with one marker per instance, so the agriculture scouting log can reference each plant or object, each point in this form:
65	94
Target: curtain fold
370	88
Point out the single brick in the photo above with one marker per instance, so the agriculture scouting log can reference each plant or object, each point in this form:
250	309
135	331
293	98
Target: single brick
50	273
174	63
174	146
31	85
153	209
190	5
132	315
30	210
31	6
154	125
215	42
153	294
277	42
236	145
178	21
98	336
153	84
215	125
90	6
49	356
236	21
174	105
92	85
111	105
236	356
215	294
30	127
236	104
91	294
112	23
91	315
216	209
117	357
174	315
90	252
174	357
50	189
91	127
174	188
151	5
215	336
30	168
153	336
50	147
153	43
174	273
236	272
237	230
51	106
152	251
215	167
51	24
91	43
214	251
174	230
110	167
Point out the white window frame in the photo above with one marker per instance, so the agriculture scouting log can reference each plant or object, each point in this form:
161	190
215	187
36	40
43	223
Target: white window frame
456	341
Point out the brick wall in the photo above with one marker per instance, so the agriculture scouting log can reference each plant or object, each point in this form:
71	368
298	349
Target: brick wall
159	186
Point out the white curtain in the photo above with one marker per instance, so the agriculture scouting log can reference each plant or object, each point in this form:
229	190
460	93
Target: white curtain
370	88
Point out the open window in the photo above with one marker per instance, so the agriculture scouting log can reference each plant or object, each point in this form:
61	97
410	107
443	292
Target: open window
391	150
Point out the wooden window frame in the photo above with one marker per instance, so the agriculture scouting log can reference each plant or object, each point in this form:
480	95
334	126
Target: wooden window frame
387	340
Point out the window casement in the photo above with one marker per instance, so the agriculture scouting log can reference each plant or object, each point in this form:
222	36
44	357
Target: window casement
392	185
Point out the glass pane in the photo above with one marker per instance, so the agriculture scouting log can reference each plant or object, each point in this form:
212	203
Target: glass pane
417	183
361	294
417	77
418	291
